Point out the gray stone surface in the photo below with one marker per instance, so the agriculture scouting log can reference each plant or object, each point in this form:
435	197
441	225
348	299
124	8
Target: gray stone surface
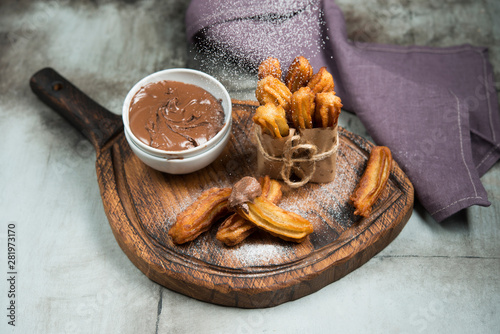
73	277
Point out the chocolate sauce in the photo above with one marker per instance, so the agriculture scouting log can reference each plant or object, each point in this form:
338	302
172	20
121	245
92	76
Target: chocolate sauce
245	190
175	116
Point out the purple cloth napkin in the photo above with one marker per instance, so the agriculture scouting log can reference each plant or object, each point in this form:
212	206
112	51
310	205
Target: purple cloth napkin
435	108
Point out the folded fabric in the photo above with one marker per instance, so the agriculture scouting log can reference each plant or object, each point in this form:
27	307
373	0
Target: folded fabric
435	108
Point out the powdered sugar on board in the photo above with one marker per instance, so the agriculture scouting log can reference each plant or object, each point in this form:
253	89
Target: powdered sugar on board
325	205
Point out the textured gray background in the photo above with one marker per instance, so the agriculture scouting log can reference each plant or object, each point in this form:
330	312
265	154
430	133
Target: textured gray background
73	277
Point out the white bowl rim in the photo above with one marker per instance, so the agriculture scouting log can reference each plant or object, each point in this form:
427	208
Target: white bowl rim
159	76
178	159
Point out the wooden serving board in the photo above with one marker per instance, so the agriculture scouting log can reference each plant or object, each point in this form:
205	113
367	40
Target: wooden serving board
141	204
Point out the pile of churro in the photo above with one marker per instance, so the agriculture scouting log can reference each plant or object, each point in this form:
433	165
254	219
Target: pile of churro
304	100
247	206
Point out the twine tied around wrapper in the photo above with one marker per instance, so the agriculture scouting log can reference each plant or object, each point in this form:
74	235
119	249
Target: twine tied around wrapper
294	153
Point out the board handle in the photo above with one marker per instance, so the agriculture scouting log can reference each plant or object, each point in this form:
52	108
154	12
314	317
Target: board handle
96	123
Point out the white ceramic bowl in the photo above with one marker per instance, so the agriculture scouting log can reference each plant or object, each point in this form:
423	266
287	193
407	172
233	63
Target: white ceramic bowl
193	159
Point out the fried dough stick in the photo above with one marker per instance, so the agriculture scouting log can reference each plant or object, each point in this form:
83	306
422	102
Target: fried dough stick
321	82
272	90
328	108
302	108
373	180
272	120
199	216
299	73
269	66
278	222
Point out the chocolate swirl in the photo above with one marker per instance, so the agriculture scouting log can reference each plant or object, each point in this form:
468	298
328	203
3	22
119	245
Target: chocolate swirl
175	116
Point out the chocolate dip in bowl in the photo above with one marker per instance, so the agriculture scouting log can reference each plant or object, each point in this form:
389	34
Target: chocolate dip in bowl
177	120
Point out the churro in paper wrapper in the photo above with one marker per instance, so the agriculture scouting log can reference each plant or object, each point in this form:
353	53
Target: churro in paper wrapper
305	155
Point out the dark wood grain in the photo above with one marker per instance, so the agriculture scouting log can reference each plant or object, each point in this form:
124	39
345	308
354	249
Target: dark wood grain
141	204
96	123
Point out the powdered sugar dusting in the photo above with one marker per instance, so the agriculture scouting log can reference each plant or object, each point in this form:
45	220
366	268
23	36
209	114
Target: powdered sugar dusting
252	254
248	33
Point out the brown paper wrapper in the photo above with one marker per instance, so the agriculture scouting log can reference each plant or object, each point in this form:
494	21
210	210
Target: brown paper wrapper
310	155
